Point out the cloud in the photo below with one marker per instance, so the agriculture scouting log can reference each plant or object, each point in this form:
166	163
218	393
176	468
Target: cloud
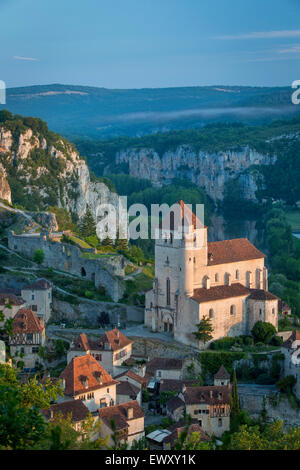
17	57
289	50
262	35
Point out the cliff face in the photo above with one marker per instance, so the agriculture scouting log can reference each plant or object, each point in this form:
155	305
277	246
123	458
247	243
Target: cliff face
38	171
209	170
5	192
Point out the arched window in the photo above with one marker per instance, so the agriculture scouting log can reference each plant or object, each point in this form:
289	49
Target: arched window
211	313
168	292
83	272
232	310
237	274
216	277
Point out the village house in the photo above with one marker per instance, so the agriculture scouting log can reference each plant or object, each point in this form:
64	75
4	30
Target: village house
139	381
210	405
76	409
38	297
110	350
165	439
291	350
10	303
27	338
165	368
226	281
85	379
126	391
128	420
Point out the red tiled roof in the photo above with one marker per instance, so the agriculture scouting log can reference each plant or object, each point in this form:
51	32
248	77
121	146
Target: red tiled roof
40	284
81	343
174	403
231	251
119	414
222	373
220	292
129	373
163	363
126	388
170	385
12	299
194	427
76	408
114	337
83	368
25	321
259	294
207	395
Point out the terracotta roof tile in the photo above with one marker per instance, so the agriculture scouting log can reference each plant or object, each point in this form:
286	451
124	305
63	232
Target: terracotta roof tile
174	403
25	321
194	427
85	366
231	251
259	294
119	414
76	408
127	388
169	385
40	284
129	373
12	299
220	292
114	337
210	395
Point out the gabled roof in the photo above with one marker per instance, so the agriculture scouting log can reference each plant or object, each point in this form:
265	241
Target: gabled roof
174	403
114	338
119	414
25	321
40	284
76	408
187	217
81	343
85	369
231	251
207	395
194	427
220	292
222	373
126	388
163	363
143	381
170	385
295	336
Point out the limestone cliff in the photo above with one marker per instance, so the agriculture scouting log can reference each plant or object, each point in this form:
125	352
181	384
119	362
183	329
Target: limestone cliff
5	192
208	170
42	169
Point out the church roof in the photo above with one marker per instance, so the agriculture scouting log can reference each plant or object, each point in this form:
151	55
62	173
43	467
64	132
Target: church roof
220	292
187	217
230	251
259	294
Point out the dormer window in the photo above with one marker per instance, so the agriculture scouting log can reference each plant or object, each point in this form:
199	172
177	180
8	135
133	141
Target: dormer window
84	380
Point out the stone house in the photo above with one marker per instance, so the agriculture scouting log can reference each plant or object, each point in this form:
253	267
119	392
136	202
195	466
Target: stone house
38	297
135	379
210	405
86	380
10	303
129	423
165	368
28	335
291	350
76	408
126	392
110	350
226	281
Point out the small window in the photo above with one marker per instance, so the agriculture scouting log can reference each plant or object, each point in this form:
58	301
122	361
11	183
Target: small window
220	422
232	310
107	390
194	260
32	296
195	412
211	313
216	277
260	311
200	422
273	311
237	274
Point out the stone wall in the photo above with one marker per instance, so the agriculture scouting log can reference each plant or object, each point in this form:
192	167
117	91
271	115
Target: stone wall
107	271
88	311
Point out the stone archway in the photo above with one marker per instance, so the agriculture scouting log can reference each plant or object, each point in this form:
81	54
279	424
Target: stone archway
83	272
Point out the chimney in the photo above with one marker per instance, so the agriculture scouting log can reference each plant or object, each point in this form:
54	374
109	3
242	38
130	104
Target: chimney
129	413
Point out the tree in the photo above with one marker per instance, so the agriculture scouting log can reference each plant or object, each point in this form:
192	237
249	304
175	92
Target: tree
87	225
39	256
286	384
205	330
263	331
121	244
234	401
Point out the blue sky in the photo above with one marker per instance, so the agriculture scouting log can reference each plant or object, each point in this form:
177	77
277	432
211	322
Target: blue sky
150	43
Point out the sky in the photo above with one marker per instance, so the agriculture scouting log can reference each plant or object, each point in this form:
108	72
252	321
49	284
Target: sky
150	43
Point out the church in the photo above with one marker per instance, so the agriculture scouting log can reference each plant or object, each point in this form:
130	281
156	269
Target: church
226	281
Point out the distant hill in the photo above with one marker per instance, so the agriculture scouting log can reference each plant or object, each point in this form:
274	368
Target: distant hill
104	113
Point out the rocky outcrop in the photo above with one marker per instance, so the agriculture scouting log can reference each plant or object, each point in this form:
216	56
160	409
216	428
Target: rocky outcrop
208	170
50	171
46	219
5	192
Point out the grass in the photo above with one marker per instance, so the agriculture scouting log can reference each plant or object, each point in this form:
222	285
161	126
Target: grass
79	241
293	218
141	283
96	255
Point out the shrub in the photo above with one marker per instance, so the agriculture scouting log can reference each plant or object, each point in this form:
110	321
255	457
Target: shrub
38	256
263	331
277	341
